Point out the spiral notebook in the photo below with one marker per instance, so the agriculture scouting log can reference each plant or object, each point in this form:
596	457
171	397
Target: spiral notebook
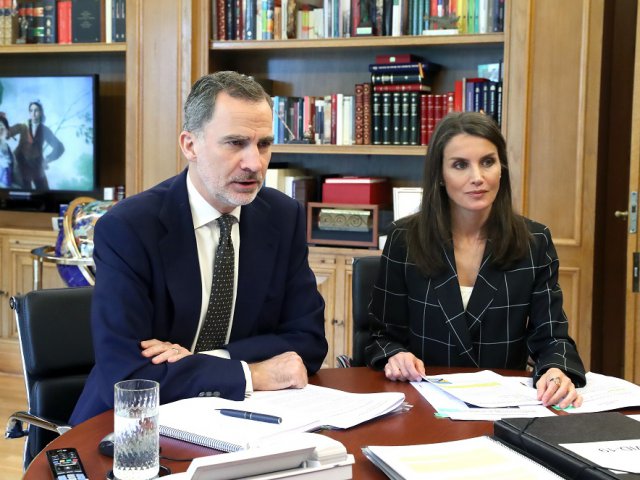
478	457
196	420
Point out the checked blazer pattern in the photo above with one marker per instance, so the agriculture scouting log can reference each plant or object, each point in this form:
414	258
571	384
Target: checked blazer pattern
511	315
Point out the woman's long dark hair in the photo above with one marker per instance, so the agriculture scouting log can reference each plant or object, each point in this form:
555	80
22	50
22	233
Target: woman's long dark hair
430	228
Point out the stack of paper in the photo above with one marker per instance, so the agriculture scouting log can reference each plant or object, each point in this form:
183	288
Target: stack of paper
487	395
196	420
476	458
483	395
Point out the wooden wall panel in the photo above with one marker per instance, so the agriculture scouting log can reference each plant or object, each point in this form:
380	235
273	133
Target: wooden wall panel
553	74
156	57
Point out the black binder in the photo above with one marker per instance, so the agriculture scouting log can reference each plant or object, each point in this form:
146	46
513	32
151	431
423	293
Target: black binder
540	439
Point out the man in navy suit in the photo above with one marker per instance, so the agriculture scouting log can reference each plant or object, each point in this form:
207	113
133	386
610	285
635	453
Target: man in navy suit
154	255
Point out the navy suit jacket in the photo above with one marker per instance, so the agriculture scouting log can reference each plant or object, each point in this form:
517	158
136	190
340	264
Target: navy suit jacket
148	286
512	314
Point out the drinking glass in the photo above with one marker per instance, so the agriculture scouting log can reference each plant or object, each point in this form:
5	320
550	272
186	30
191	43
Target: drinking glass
136	438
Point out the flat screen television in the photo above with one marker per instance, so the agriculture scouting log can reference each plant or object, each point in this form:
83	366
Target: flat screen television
48	156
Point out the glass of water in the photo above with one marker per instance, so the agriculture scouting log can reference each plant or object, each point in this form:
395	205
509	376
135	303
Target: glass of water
136	438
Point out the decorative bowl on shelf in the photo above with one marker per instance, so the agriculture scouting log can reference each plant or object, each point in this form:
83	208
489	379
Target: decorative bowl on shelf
75	239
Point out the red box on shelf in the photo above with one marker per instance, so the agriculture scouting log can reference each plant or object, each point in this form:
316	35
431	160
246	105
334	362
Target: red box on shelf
356	190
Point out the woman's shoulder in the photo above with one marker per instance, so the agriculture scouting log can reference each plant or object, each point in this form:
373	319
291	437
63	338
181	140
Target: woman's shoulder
540	233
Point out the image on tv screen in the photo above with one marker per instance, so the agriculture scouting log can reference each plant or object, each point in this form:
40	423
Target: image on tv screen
47	133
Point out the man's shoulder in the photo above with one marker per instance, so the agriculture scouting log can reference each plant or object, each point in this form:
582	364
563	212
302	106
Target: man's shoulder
148	203
276	199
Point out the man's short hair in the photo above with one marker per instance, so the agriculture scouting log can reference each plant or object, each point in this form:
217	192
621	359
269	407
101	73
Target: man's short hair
201	102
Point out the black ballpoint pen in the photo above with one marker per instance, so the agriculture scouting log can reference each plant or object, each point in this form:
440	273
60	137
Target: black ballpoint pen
258	417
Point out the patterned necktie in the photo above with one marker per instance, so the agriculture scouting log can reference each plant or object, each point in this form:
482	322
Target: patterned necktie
216	322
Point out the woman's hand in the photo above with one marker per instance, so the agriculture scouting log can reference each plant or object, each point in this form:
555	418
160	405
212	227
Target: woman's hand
160	352
404	366
555	388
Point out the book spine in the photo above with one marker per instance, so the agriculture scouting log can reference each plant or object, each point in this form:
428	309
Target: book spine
326	122
64	21
367	114
402	87
121	21
359	124
250	20
396	117
387	17
414	118
376	108
384	79
431	115
334	118
49	21
424	135
404	124
386	119
86	21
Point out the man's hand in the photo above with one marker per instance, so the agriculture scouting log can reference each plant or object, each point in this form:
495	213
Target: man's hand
277	373
555	388
160	352
404	366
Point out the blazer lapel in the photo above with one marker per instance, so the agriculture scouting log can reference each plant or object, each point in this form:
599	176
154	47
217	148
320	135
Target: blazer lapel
179	256
447	289
258	241
484	291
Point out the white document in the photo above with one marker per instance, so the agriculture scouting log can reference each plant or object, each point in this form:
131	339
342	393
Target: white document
479	457
485	389
196	420
616	455
603	393
451	407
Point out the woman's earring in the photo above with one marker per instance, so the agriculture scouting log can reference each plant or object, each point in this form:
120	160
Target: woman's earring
441	183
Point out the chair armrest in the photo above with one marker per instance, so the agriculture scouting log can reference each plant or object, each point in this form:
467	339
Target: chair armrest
15	429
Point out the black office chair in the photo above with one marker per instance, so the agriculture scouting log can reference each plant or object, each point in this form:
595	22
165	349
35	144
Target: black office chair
57	354
365	272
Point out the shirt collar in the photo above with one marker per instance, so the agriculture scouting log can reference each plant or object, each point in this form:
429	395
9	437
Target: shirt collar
201	211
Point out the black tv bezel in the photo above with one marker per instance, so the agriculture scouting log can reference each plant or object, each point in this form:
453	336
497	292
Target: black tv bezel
50	200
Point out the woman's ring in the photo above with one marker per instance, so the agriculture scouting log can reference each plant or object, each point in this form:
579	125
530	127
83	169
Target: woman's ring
175	349
555	380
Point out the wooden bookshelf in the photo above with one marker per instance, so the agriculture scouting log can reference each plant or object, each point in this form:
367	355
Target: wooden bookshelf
62	48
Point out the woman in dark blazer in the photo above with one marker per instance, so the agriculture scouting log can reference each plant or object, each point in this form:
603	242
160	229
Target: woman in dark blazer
468	282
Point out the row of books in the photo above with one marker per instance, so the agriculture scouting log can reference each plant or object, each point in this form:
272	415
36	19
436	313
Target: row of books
376	118
312	19
62	21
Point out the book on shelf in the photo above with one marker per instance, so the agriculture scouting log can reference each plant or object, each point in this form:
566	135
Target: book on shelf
396	117
546	439
423	68
367	114
120	21
398	58
395	78
376	118
196	420
49	21
277	177
64	22
86	21
403	87
477	457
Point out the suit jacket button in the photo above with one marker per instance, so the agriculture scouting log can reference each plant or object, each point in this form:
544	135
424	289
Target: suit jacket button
216	394
201	394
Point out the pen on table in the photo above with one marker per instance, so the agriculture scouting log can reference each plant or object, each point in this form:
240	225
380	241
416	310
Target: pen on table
258	417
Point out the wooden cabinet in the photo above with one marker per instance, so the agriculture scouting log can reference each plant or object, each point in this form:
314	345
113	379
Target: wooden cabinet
16	278
332	267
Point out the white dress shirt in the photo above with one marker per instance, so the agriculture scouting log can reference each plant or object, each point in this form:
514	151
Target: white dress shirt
207	234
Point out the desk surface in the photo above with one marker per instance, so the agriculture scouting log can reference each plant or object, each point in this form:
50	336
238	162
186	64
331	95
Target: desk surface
413	427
